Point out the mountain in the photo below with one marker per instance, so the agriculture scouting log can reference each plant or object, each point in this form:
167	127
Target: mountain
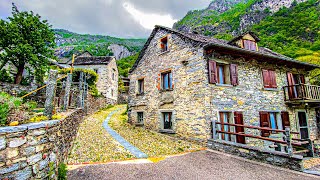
289	27
69	43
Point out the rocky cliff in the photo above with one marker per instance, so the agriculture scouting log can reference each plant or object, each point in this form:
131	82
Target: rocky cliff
120	51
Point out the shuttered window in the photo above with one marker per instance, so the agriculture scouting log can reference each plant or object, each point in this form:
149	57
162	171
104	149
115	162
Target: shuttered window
238	119
250	45
265	122
285	120
223	73
269	78
164	44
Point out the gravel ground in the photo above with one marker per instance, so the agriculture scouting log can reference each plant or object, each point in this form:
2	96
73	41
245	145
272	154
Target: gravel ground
198	165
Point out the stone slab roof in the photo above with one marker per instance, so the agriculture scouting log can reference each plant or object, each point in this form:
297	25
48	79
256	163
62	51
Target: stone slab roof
208	42
94	60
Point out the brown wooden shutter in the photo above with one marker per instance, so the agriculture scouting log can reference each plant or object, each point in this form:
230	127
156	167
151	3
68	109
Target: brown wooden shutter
265	122
302	79
238	119
266	78
290	84
273	79
285	119
212	72
234	74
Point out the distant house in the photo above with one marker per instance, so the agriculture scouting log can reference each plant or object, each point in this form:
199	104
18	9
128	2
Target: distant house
106	68
183	82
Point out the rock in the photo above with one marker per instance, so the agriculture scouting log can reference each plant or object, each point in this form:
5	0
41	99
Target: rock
43	164
35	158
3	143
12	153
17	142
23	174
12	168
29	150
119	51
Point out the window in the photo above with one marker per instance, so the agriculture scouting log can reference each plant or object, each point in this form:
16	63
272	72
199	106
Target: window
167	120
269	78
112	75
224	117
111	92
303	125
164	44
223	73
140	117
295	92
126	84
166	80
140	86
96	70
268	120
250	45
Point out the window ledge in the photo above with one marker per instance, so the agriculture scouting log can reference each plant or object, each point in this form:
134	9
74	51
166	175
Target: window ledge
139	124
224	85
168	131
164	52
271	89
165	90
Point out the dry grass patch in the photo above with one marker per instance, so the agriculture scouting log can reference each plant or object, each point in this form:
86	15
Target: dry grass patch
94	144
152	143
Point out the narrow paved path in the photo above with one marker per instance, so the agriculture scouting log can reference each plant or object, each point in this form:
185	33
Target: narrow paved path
198	165
133	150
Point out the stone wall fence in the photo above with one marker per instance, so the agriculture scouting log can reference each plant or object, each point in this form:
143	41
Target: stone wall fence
35	150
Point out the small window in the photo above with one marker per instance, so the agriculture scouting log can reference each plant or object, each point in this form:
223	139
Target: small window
113	76
140	117
140	86
167	120
164	44
268	120
269	78
250	45
223	73
96	70
166	79
111	92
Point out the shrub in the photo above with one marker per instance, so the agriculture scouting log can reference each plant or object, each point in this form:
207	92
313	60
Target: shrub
8	103
5	76
62	171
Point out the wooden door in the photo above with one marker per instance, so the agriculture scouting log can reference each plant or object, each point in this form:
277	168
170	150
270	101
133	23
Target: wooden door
238	119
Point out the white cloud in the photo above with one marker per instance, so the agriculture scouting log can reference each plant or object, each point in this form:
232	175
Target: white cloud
148	21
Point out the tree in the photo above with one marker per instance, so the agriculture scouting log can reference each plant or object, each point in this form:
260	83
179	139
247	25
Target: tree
26	42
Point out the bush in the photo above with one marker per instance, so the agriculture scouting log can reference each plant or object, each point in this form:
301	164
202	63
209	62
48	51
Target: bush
8	103
5	76
62	171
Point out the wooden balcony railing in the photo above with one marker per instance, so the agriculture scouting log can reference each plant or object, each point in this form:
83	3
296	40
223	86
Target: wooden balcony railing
302	92
293	145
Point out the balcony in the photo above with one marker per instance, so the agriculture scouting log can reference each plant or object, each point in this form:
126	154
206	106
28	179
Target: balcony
302	93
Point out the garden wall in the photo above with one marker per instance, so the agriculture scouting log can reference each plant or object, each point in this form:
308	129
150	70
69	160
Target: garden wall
258	154
35	150
15	89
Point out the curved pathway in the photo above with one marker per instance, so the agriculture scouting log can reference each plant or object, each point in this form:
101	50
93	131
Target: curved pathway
134	150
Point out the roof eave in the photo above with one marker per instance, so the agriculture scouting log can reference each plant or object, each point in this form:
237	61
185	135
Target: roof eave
308	66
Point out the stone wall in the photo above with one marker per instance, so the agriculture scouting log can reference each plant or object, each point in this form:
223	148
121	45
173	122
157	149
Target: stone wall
258	154
15	89
35	150
93	104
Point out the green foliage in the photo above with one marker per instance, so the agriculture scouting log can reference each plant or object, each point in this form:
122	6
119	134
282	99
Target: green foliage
5	76
125	64
26	39
51	171
7	104
62	171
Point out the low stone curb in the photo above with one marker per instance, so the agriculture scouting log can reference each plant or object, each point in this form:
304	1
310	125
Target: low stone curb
133	150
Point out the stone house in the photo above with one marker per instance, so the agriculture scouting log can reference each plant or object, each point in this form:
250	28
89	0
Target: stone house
182	82
106	68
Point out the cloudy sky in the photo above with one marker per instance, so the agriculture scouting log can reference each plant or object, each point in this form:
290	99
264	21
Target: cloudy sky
121	18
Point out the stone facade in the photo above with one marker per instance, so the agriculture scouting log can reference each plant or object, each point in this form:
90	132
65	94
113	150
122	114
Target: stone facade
194	102
107	83
29	151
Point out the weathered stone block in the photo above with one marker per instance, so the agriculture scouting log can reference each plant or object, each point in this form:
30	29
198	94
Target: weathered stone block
23	174
35	168
28	150
17	142
9	169
11	153
3	143
19	160
34	159
43	164
40	148
37	132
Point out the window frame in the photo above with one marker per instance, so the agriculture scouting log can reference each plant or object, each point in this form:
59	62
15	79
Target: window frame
298	122
244	44
164	44
170	116
140	87
169	77
277	120
139	121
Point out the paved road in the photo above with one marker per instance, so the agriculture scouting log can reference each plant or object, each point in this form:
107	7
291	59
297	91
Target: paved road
200	165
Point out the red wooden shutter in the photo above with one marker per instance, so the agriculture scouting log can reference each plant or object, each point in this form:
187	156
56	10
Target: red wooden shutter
234	74
159	82
264	122
266	78
238	119
285	119
273	79
290	84
212	72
